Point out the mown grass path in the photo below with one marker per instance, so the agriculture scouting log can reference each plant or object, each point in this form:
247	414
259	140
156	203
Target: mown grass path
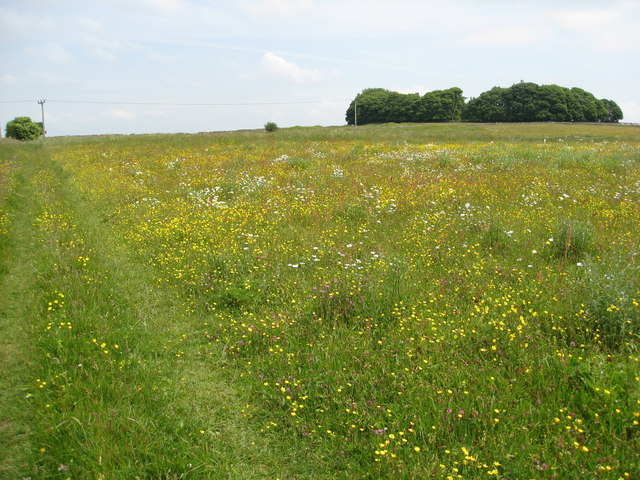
93	384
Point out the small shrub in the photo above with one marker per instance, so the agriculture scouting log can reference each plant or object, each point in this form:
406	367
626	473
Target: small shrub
22	128
270	127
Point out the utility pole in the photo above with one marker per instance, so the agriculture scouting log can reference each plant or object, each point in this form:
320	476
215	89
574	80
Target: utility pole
44	130
356	114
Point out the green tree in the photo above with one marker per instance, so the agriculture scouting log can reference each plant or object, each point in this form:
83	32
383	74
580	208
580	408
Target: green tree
402	107
523	102
552	104
378	105
22	128
442	106
490	106
372	107
614	113
587	108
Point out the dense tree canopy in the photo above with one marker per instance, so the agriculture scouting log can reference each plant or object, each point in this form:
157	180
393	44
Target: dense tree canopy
377	105
529	102
522	102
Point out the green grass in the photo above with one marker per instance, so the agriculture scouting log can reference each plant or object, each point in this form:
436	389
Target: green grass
96	384
398	301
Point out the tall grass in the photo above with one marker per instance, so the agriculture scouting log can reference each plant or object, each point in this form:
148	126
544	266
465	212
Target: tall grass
421	301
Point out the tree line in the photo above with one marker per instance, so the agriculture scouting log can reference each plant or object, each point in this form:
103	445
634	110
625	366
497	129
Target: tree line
522	102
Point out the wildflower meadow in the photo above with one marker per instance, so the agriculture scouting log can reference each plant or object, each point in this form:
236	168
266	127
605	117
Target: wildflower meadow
451	301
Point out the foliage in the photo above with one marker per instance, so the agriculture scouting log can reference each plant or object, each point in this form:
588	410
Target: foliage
270	127
529	102
614	112
377	105
442	106
522	102
488	107
22	128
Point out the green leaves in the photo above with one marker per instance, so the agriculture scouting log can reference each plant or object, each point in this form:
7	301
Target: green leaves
22	128
529	102
377	105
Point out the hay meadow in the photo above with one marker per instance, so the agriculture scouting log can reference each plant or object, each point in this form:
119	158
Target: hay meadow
437	301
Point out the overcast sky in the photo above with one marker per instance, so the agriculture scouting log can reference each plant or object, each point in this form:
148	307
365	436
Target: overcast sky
295	62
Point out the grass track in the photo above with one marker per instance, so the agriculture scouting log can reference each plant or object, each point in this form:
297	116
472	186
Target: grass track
151	415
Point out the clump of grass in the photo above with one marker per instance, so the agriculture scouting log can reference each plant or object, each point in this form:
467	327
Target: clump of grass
494	237
445	161
573	239
353	214
226	286
610	307
336	301
299	163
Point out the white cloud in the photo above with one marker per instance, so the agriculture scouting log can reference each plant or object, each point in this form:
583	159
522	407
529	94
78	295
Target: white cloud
14	23
57	118
285	8
507	35
7	79
110	50
89	24
328	109
120	114
419	89
184	80
47	78
285	68
162	6
160	57
590	20
613	29
51	52
102	53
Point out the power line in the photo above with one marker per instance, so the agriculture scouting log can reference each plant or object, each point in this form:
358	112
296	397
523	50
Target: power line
175	104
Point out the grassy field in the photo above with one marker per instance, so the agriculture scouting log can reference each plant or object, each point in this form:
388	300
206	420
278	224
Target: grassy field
449	301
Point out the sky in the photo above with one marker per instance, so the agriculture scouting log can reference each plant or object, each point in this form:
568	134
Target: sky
156	66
